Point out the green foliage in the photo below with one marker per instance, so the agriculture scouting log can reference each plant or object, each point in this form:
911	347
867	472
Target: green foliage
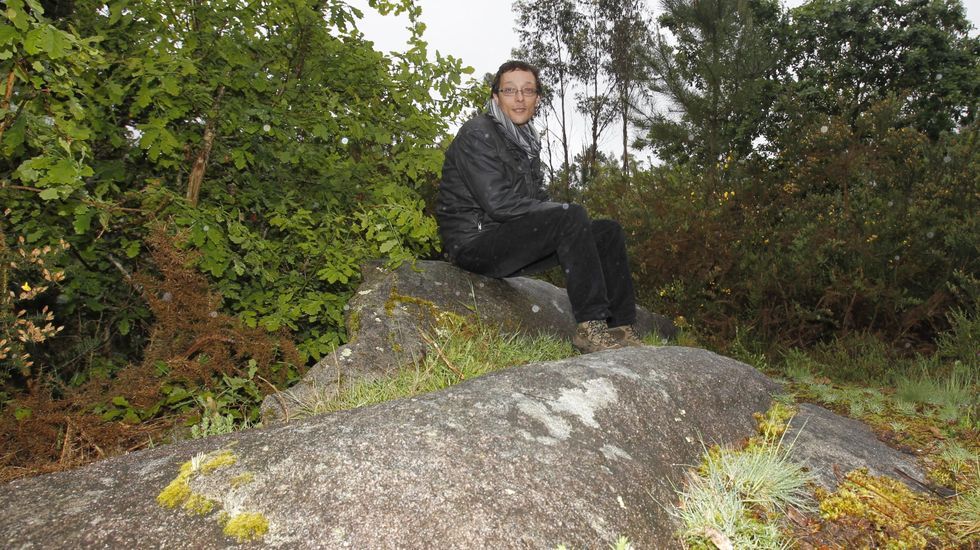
280	144
849	55
715	62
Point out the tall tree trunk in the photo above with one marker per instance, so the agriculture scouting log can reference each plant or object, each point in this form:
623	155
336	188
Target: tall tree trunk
201	162
626	116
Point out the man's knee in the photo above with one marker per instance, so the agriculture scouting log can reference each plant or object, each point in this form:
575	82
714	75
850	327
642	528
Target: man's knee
608	231
575	214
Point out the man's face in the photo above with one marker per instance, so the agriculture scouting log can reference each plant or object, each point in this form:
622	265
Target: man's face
519	107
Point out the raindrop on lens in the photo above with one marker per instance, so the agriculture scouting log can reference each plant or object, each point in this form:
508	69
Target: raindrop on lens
824	129
535	308
947	159
930	234
564	206
343	140
939	76
205	228
266	128
213	314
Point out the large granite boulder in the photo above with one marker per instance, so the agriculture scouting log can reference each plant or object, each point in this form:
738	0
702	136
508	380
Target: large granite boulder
392	309
577	451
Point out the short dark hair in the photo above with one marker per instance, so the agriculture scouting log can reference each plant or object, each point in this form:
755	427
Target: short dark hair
515	65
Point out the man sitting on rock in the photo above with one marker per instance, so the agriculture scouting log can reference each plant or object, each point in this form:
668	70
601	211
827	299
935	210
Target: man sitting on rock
495	217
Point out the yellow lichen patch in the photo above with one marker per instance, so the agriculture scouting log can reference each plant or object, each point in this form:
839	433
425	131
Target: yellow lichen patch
899	517
222	459
242	479
198	504
247	526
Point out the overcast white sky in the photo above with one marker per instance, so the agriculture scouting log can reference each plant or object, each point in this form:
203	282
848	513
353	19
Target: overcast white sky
481	33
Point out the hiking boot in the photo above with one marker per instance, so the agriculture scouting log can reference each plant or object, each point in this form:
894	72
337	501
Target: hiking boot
592	336
625	336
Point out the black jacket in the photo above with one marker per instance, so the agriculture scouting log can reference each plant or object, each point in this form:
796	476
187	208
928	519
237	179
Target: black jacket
486	179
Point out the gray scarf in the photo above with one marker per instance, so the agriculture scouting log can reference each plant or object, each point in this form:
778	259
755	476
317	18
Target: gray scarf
524	136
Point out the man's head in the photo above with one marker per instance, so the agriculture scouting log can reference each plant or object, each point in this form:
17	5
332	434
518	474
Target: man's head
516	87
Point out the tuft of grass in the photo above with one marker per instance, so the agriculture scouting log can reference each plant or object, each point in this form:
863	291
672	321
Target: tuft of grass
798	366
954	397
854	358
458	350
765	477
727	501
965	516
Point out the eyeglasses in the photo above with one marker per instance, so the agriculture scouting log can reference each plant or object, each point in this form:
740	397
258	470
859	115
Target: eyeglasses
511	92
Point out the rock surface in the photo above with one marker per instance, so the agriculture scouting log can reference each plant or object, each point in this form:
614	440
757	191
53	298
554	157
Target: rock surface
831	445
578	451
393	308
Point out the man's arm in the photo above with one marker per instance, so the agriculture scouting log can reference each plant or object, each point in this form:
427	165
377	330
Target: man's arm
482	170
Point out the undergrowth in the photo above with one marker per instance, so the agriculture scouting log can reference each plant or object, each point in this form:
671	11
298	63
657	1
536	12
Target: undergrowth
202	372
926	405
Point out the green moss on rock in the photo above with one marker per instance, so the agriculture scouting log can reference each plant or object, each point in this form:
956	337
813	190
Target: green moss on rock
246	526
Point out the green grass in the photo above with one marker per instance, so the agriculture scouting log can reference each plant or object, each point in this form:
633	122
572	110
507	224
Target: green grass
458	350
734	494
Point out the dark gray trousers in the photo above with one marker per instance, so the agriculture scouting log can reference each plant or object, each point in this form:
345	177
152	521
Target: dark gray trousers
592	254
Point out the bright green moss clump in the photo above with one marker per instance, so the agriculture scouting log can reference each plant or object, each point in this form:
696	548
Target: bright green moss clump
246	526
774	423
222	459
179	490
198	504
